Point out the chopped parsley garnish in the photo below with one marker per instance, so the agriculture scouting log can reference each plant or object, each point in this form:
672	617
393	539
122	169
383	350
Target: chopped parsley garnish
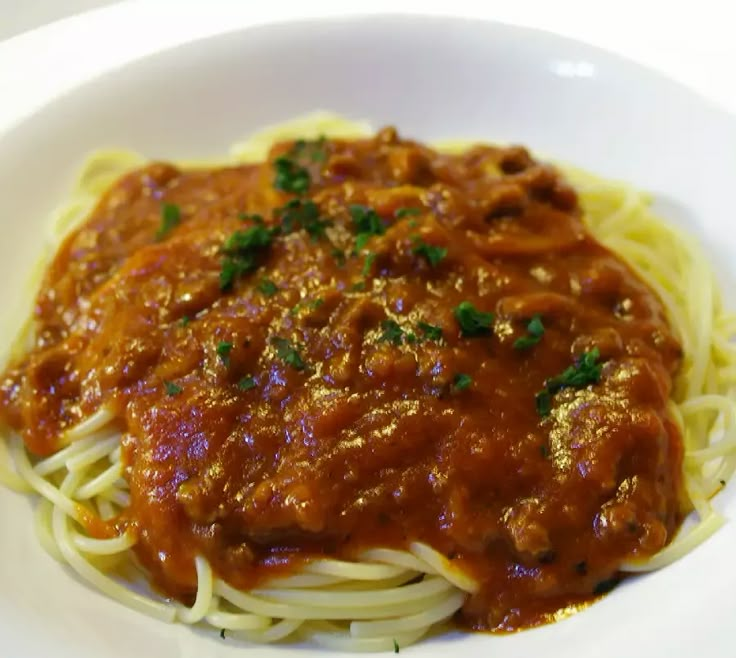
312	306
370	257
247	383
391	332
430	331
223	351
461	381
586	371
313	150
289	354
535	331
431	253
535	326
253	217
170	218
241	250
339	257
231	269
360	285
396	646
254	237
367	224
472	321
302	214
185	320
290	173
407	212
172	389
290	176
222	633
267	287
543	401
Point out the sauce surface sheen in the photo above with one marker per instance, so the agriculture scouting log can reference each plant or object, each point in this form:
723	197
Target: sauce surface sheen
310	407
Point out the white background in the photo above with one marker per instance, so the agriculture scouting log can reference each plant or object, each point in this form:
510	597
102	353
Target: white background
693	41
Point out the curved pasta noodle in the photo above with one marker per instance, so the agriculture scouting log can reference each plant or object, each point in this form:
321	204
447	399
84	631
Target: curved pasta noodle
386	598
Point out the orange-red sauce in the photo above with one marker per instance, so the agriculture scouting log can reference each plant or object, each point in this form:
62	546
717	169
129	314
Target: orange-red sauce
370	444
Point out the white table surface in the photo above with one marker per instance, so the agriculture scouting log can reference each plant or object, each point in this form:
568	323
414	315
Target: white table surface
691	41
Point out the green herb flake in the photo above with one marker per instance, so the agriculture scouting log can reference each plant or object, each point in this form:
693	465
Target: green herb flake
232	268
317	227
431	253
288	353
586	371
290	176
472	321
302	214
255	237
543	402
251	217
391	332
320	144
430	331
370	257
396	647
247	383
367	224
311	306
361	240
461	381
535	331
525	342
172	389
170	219
222	633
535	326
401	213
184	321
267	287
223	351
241	249
312	150
357	287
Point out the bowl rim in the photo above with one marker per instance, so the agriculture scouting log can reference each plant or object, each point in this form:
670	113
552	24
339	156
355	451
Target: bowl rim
39	47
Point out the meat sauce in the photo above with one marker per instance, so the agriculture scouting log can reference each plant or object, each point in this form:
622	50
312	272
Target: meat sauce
313	391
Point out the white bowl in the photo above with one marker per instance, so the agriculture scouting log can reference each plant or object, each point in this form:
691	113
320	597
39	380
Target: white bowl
434	78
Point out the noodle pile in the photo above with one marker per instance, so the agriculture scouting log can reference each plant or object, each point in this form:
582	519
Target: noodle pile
388	598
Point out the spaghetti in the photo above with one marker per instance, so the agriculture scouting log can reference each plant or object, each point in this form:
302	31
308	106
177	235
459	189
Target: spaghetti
384	596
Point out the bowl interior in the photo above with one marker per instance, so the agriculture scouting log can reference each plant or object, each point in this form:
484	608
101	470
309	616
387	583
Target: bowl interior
434	78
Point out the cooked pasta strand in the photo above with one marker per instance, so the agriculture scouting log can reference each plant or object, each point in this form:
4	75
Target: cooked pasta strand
387	598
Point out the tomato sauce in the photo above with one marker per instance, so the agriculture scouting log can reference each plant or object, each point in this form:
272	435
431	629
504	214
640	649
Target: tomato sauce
293	378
